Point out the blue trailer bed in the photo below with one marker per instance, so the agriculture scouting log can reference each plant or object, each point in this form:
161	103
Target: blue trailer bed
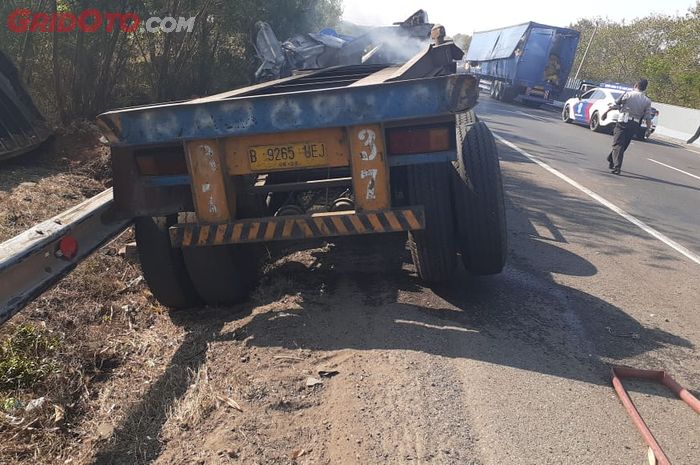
289	106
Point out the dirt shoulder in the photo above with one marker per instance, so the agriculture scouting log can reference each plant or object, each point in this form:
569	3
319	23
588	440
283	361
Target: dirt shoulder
63	172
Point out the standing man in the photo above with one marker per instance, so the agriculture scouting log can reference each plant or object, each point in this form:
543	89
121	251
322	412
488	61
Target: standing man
634	106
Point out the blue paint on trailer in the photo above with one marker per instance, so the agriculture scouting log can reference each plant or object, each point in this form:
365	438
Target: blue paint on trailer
290	111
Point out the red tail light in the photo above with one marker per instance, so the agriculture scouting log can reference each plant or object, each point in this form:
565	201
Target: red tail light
421	139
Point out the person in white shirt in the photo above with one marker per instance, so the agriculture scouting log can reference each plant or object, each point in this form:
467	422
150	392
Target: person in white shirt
633	106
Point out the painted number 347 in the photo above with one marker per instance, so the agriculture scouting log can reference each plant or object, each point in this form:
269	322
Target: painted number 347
369	140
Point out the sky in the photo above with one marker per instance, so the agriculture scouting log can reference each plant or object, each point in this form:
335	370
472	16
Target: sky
469	16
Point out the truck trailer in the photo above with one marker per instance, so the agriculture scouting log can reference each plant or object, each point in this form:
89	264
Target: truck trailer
347	150
529	61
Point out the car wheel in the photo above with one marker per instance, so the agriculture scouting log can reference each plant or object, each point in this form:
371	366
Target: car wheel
566	114
595	122
641	134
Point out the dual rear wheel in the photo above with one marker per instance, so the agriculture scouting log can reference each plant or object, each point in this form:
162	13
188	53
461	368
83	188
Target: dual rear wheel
192	276
503	91
469	217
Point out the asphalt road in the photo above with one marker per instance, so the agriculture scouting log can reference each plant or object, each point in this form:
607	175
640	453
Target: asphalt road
660	182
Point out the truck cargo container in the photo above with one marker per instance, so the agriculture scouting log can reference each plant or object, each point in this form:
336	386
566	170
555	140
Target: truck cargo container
529	61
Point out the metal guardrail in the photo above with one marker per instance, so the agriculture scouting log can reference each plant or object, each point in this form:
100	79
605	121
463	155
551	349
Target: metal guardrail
35	260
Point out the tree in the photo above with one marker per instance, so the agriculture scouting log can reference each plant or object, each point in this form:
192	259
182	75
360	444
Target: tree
462	41
664	49
79	74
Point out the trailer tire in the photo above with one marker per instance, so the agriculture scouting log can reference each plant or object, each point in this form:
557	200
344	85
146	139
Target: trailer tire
163	266
497	88
223	274
509	93
494	90
479	202
433	249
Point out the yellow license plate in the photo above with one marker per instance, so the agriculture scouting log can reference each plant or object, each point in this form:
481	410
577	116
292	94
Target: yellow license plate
288	156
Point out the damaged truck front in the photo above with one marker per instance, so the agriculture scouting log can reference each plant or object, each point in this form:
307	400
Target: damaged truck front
22	127
357	149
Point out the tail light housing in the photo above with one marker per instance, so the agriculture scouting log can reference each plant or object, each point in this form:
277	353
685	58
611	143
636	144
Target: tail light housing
420	139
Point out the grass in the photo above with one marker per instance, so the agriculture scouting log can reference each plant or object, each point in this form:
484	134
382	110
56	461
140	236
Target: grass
27	357
188	412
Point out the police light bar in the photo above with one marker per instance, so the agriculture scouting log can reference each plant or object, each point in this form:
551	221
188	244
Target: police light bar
615	86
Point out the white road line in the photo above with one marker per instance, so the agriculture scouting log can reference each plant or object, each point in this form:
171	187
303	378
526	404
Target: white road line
640	224
674	168
533	116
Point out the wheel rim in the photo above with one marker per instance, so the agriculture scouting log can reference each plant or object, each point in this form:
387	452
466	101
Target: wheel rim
566	114
594	121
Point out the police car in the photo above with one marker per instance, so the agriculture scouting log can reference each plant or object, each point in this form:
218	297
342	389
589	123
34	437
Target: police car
589	107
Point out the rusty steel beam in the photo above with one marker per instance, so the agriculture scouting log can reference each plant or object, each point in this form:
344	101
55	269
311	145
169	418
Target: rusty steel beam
302	185
35	260
661	377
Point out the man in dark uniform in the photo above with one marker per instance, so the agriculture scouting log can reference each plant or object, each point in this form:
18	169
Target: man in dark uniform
633	106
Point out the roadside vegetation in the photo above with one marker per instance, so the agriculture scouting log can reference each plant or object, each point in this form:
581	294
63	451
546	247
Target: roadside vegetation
78	75
663	49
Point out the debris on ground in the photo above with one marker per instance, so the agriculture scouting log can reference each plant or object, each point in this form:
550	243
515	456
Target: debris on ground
22	127
35	404
129	252
311	382
230	402
296	453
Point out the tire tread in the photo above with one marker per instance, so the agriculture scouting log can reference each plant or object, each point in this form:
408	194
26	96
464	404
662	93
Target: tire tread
479	199
163	266
433	249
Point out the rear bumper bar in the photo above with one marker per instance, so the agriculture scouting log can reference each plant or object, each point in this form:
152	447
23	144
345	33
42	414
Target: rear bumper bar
346	223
